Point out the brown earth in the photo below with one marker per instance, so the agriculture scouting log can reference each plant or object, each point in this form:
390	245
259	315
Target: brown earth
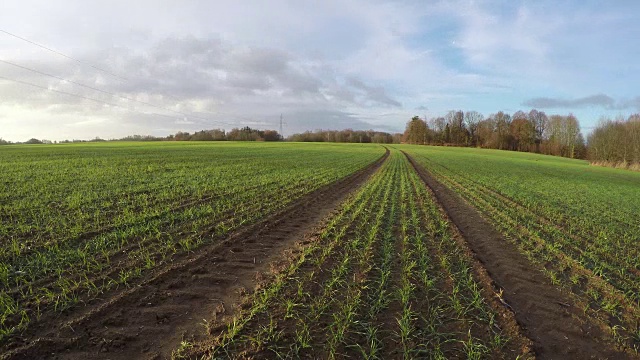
355	341
545	312
152	317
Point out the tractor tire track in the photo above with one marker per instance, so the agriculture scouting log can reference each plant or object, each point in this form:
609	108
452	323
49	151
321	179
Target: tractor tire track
153	317
557	331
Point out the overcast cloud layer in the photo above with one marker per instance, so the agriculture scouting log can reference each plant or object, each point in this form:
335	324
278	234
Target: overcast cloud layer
157	67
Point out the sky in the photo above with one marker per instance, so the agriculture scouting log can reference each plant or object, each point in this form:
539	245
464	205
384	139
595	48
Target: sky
116	68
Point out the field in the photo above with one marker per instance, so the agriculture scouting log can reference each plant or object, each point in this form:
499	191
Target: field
579	223
285	250
385	278
79	220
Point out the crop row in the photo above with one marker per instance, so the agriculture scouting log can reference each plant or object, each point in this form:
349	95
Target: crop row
597	262
80	220
386	278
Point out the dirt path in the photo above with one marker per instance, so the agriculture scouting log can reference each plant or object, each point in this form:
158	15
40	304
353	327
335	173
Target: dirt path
545	313
151	318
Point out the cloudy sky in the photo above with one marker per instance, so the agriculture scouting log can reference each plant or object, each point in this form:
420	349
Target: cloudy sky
156	67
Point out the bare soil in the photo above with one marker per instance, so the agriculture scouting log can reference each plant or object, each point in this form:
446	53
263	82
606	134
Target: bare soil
545	312
170	304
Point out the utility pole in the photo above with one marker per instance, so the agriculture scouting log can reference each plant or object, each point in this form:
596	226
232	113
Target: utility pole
424	141
281	131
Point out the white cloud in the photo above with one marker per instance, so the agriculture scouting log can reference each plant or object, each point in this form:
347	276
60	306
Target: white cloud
365	63
507	42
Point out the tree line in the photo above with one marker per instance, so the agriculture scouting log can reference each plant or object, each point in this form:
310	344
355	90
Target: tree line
347	136
533	132
248	134
613	142
236	134
616	142
30	141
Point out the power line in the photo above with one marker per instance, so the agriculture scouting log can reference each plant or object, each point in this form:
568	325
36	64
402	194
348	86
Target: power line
109	103
63	55
93	88
62	92
110	93
56	77
76	95
76	60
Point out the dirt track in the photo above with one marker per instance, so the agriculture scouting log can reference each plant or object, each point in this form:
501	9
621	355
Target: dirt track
169	305
544	312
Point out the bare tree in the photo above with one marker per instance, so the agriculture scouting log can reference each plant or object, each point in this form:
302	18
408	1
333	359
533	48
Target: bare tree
438	125
572	135
538	120
503	123
455	131
471	120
